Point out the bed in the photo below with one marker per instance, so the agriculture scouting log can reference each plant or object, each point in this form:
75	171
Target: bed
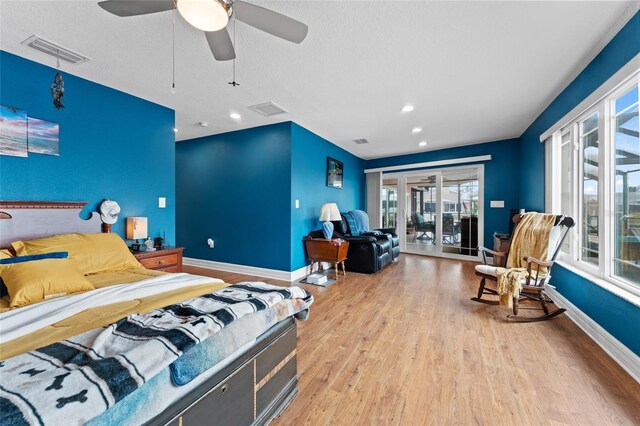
139	346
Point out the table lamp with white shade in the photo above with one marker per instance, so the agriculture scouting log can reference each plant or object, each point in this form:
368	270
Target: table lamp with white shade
329	212
136	229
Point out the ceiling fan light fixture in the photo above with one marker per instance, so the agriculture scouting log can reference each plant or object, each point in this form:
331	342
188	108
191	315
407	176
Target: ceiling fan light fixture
205	15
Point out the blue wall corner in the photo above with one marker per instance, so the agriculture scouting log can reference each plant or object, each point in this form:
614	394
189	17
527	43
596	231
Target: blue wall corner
235	188
239	188
500	177
309	185
611	312
112	145
620	50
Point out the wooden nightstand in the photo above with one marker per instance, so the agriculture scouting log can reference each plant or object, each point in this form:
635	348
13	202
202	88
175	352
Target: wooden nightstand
167	260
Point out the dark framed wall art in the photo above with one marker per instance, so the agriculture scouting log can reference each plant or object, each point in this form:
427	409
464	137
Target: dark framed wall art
335	173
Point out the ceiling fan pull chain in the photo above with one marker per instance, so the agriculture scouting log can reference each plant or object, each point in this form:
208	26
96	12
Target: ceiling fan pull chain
234	83
173	56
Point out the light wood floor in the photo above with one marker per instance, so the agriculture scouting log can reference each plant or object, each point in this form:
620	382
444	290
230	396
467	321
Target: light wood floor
407	347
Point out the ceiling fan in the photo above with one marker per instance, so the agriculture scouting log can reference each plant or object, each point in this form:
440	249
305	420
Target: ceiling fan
212	16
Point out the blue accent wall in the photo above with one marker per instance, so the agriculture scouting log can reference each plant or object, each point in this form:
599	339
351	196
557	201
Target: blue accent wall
500	177
613	313
112	145
309	154
619	317
239	188
235	188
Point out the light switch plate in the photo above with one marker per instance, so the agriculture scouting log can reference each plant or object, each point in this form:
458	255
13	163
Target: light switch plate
297	204
162	202
497	203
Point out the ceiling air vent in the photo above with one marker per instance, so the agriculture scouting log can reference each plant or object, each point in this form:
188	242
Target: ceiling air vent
55	50
360	141
268	109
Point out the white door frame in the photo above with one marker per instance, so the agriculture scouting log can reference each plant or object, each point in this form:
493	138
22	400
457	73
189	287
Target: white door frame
402	208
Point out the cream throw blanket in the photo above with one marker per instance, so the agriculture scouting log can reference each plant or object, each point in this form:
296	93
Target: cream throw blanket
531	238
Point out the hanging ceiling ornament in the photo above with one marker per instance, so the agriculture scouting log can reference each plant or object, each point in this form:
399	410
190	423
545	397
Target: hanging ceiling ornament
57	87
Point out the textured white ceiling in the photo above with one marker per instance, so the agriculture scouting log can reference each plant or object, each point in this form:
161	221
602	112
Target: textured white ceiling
475	71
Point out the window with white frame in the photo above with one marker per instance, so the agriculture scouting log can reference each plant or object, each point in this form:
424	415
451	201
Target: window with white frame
450	207
595	178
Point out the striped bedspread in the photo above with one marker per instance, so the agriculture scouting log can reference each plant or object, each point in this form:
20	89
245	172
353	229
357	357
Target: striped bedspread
77	379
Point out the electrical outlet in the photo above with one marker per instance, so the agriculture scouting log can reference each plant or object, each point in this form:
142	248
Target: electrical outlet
162	202
210	243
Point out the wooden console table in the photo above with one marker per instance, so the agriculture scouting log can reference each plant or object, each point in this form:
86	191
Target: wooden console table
321	250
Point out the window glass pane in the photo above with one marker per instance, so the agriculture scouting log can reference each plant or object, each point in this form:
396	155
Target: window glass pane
421	219
459	230
590	208
590	124
627	188
389	203
626	100
566	181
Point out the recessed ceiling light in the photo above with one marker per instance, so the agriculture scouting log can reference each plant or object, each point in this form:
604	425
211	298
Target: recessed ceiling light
175	130
203	124
416	130
423	143
235	116
407	108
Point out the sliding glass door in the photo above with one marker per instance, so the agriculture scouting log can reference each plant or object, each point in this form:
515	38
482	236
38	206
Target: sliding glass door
460	212
436	212
422	209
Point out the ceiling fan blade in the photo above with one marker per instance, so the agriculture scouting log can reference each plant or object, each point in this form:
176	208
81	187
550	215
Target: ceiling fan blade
221	45
124	8
270	22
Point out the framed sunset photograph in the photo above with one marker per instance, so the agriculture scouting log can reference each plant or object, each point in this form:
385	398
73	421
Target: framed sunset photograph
13	132
43	137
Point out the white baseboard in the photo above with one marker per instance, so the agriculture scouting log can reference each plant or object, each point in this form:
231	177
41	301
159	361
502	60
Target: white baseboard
628	360
274	274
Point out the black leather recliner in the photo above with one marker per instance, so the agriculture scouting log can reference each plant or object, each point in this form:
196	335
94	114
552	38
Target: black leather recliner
393	238
389	234
367	253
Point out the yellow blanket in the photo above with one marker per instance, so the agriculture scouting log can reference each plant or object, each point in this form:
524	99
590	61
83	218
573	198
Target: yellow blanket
531	238
100	317
132	275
